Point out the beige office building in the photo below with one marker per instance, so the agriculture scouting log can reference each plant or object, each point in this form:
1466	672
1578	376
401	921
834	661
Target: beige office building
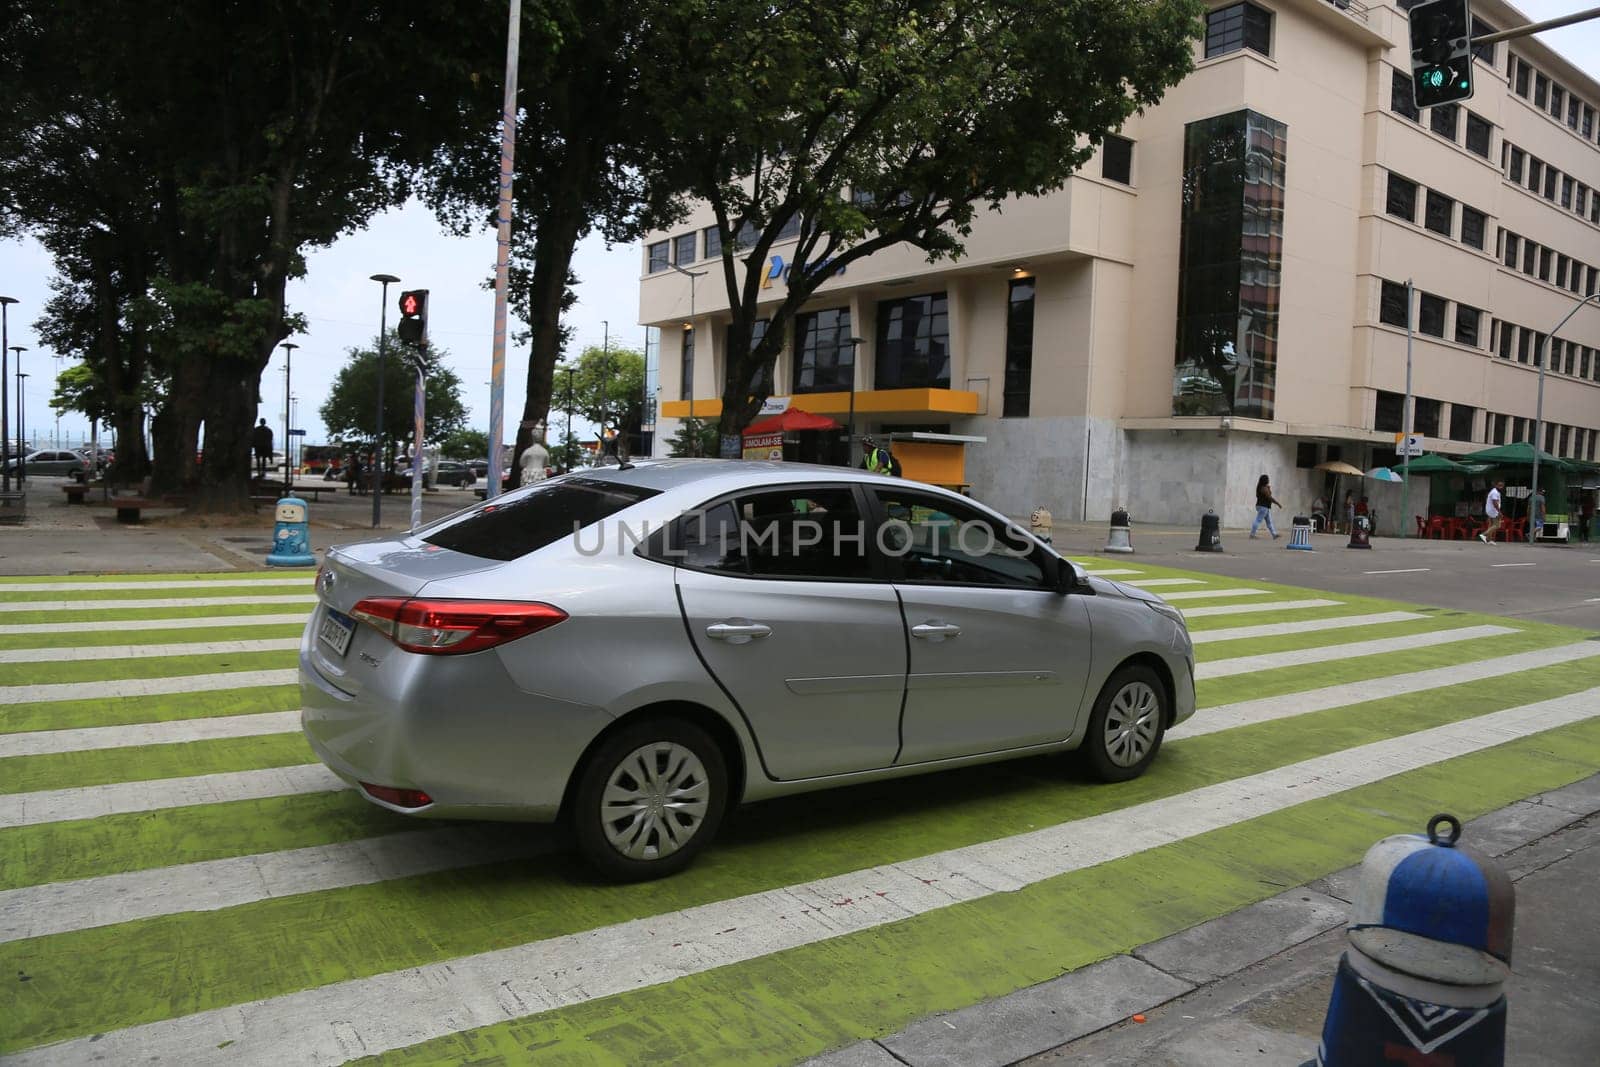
1220	293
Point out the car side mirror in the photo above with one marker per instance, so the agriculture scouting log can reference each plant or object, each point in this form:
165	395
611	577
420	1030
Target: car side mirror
1069	579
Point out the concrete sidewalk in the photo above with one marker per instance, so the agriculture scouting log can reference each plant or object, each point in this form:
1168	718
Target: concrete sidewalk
1253	986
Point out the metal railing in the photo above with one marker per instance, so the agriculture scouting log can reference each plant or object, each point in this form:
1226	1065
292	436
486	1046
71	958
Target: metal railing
1354	8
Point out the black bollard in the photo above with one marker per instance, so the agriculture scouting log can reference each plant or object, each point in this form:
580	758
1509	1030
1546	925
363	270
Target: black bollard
1360	533
1210	533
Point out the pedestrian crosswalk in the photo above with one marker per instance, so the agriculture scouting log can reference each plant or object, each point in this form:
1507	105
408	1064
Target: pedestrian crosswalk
168	841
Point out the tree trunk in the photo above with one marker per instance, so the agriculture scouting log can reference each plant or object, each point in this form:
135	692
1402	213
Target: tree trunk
230	407
176	429
552	260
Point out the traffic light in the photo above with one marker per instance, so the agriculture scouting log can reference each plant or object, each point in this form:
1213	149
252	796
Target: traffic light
413	325
1441	52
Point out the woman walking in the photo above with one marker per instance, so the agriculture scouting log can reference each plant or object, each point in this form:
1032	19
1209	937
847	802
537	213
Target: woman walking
1264	504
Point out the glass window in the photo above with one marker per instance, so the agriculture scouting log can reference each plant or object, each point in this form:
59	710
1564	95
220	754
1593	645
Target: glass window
1444	119
1425	416
1569	358
1478	134
683	248
1401	100
1472	227
1430	314
1550	176
1116	159
931	539
1402	201
1519	429
1546	261
1019	348
658	257
1574	109
1583	361
524	521
1508	335
1537	347
1389	414
1484	52
1305	454
1530	257
1594	208
1229	29
913	350
1535	173
686	367
1588	289
1467	319
1541	90
1462	417
1392	304
713	242
1522	79
1566	191
1512	244
1439	213
761	380
1580	199
746	237
1588	122
1514	171
1558	100
804	532
790	228
1524	340
1230	265
824	359
1561	270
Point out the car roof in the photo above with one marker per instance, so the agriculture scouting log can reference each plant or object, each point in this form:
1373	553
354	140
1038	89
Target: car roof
715	475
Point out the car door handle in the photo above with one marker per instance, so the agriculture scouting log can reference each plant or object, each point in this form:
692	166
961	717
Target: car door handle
935	631
737	632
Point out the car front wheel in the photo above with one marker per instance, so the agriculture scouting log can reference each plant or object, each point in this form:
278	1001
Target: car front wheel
1127	725
649	799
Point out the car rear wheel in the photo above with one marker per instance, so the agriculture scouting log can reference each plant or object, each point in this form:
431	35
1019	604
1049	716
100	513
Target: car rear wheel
649	799
1127	725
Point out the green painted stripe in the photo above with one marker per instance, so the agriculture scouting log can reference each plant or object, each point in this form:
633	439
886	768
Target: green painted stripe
1283	681
785	1007
278	946
120	711
220	577
88	594
120	670
142	763
198	610
1256	646
131	636
116	844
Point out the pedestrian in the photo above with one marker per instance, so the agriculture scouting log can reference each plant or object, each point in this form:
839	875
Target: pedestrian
1349	510
1536	510
878	460
261	441
1586	516
1265	502
1491	508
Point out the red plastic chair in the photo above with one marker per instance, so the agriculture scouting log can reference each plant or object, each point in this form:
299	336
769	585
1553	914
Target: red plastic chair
1514	530
1439	528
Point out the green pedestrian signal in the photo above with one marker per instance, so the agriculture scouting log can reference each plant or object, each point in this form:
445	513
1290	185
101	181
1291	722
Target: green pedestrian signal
1441	52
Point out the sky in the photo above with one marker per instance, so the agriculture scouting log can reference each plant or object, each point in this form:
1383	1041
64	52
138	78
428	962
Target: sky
342	305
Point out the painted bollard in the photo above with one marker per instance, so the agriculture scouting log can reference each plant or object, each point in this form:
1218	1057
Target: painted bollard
1042	525
1360	533
1300	535
291	536
1121	537
1430	948
1210	533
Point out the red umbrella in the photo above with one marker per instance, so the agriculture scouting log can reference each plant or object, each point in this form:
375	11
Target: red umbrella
791	421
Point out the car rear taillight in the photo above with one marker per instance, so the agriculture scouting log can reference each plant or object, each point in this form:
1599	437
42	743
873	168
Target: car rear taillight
452	627
400	798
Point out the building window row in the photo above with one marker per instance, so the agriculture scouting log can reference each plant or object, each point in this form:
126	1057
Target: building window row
1528	346
1446	120
1539	177
1546	264
1433	314
1568	442
682	250
1236	27
1438	211
1548	95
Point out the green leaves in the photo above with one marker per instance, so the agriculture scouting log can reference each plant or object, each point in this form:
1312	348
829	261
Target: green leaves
351	410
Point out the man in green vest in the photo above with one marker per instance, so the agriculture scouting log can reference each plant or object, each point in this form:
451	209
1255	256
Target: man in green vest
878	460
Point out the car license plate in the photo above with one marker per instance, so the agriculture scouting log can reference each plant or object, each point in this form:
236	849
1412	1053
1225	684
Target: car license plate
336	630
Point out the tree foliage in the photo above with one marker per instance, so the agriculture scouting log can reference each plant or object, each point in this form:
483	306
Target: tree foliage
693	437
465	444
351	410
607	388
875	123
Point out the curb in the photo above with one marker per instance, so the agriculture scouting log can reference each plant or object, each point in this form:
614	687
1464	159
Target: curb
1043	1017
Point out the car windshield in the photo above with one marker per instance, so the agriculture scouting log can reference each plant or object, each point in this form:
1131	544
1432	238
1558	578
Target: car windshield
511	527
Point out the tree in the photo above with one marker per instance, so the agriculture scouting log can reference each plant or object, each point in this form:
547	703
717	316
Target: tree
607	388
351	410
863	124
464	444
694	437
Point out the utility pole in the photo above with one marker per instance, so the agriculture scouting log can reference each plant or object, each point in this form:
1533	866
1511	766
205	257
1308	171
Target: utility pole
5	403
502	260
1406	423
22	425
288	357
383	350
688	329
566	444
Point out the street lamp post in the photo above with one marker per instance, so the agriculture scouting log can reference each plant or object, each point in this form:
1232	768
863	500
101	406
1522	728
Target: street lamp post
288	359
605	384
52	406
850	430
22	425
5	422
566	444
1407	423
383	350
694	431
1538	411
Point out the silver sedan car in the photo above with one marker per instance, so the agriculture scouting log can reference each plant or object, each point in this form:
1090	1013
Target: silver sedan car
634	649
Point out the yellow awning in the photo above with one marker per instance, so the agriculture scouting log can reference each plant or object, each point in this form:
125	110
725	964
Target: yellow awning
909	403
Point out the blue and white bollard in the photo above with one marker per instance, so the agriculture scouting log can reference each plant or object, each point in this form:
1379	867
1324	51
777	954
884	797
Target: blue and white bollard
291	536
1300	534
1430	947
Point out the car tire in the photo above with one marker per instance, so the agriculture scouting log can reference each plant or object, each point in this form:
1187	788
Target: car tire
697	775
1127	725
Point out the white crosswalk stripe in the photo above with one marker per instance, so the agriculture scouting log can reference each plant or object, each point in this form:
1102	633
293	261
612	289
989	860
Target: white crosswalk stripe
208	623
144	687
78	653
1324	653
164	602
1111	573
1279	629
120	798
177	732
1207	594
1154	583
1251	609
216	583
401	1008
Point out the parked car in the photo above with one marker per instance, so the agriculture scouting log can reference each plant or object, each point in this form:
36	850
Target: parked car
54	463
480	467
454	473
635	649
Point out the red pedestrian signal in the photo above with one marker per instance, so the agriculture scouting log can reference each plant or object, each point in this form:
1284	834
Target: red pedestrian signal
413	325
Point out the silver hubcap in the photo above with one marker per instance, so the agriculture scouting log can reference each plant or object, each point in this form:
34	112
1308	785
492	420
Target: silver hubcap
655	801
1132	723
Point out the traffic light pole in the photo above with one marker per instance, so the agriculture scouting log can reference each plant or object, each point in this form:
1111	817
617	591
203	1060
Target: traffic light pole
502	262
1538	27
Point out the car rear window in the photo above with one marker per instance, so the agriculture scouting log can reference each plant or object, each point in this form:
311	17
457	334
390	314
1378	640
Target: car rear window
511	528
